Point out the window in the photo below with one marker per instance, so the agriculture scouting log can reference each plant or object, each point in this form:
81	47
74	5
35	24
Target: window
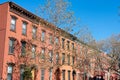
24	28
43	36
63	74
34	32
50	74
21	73
23	48
72	46
63	58
68	45
9	72
68	56
73	60
51	56
63	42
57	58
42	74
50	39
56	40
68	75
13	24
43	53
33	51
11	46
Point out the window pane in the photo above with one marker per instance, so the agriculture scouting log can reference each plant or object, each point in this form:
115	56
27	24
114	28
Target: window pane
72	46
43	53
11	46
42	74
13	21
21	73
9	72
51	56
43	36
56	40
9	69
33	51
24	28
34	31
9	77
23	48
63	74
50	74
57	58
13	24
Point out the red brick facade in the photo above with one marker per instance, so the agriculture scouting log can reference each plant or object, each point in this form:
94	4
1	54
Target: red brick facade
48	42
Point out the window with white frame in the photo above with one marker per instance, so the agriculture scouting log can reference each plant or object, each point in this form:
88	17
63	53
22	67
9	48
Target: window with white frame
56	40
43	36
57	58
42	74
24	28
23	49
13	23
11	45
21	73
34	32
33	51
9	72
43	53
50	56
50	74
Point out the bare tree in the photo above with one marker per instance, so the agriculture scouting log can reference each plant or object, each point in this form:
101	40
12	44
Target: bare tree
85	35
112	47
23	58
59	13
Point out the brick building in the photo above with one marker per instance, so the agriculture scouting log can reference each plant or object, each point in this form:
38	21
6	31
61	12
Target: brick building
51	48
28	40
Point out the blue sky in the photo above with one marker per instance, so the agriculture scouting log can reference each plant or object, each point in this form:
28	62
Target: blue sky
100	16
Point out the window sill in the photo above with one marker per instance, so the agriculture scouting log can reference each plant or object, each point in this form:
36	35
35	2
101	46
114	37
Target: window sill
43	41
22	55
34	38
13	30
11	54
24	35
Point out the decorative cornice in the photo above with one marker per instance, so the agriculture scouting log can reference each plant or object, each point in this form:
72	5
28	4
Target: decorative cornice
24	13
35	19
68	35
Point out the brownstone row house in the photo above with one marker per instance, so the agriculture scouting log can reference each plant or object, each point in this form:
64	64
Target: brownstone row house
29	42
